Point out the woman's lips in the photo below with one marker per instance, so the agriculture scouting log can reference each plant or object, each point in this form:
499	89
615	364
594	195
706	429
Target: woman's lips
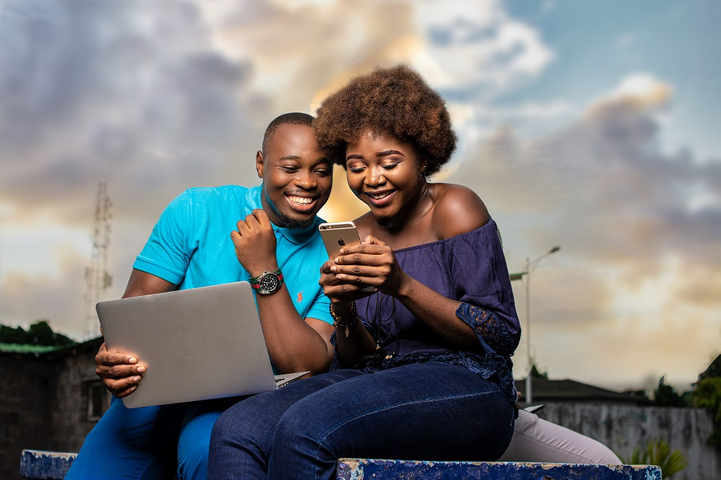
380	199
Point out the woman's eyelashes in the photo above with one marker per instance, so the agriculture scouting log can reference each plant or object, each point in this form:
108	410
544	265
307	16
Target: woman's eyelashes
384	166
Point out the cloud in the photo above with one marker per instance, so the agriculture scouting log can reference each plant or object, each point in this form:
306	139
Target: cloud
639	229
133	93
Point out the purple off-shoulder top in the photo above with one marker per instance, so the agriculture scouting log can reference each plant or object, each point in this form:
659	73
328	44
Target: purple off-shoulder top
470	268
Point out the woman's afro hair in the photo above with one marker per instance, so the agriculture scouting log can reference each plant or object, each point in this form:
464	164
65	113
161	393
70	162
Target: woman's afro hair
393	101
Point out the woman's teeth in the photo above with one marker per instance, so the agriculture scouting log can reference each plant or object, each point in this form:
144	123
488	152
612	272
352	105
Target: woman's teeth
378	196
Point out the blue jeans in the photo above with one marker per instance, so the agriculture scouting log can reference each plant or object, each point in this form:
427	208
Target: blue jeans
428	411
169	441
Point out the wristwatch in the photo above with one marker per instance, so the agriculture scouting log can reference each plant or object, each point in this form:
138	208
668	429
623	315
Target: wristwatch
267	283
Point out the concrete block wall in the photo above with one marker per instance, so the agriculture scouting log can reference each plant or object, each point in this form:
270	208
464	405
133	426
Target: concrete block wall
23	407
42	405
623	428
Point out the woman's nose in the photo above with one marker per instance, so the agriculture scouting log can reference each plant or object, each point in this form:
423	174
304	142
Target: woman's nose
375	177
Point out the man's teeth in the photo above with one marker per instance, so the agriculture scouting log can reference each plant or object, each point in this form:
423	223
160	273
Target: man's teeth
301	200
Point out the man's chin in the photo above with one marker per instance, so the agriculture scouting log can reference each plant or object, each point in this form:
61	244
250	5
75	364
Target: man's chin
297	223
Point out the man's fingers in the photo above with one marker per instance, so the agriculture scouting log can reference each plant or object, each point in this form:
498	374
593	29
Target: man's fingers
260	216
115	358
120	371
122	388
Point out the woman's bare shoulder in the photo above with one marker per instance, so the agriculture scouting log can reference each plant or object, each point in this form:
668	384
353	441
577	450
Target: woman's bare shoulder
458	210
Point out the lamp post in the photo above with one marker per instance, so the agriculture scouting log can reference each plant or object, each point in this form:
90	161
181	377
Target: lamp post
527	280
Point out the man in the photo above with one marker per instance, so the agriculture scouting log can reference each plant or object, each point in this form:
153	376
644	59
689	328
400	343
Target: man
272	228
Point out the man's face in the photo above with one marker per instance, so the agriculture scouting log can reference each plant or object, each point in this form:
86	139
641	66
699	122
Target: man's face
297	177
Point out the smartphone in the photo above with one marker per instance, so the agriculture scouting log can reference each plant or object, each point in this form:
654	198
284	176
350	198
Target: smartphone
337	235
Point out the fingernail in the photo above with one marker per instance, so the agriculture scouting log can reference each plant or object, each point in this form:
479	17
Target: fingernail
136	378
141	369
132	360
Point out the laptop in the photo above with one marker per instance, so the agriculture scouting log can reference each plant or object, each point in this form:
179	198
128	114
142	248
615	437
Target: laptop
197	344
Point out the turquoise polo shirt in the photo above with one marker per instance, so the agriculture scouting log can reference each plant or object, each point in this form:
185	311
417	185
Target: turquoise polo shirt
190	246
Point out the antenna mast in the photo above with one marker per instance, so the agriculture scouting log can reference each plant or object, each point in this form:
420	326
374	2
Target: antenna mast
97	278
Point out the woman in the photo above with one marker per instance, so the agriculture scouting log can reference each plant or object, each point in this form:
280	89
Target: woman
422	367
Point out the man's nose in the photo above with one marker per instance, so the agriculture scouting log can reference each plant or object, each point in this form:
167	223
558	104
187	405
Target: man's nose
306	180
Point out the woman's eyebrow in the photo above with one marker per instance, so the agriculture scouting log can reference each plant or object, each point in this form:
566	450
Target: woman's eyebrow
385	153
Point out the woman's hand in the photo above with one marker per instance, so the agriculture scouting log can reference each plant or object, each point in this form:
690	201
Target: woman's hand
371	263
119	372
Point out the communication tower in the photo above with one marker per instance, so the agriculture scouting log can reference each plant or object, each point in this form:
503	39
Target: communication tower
97	278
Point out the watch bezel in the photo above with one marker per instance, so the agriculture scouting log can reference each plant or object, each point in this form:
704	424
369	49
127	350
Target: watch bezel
267	283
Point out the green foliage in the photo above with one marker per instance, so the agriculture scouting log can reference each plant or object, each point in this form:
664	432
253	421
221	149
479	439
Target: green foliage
39	333
537	374
666	396
707	394
658	452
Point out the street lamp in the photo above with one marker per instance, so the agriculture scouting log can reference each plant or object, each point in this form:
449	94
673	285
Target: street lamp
530	265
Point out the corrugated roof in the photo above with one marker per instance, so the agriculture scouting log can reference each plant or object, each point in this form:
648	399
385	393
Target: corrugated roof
28	348
571	390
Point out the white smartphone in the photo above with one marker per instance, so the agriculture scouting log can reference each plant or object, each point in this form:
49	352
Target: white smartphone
337	235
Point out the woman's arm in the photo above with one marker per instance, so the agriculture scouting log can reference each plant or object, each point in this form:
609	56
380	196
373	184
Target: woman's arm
457	210
352	338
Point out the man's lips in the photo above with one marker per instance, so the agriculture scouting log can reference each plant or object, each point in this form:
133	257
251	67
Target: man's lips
301	203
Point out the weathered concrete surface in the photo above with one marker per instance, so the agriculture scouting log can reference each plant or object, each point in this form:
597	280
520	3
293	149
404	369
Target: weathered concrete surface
623	428
366	469
45	465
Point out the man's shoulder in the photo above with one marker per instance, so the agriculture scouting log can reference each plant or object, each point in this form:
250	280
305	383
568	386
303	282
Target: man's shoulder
226	194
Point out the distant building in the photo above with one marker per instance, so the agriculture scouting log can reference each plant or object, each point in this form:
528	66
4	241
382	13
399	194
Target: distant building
50	399
577	392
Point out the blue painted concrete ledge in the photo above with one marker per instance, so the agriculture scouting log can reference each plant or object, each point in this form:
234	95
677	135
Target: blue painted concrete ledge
45	465
39	464
365	469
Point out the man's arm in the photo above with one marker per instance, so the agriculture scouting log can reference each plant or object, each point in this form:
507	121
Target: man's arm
294	344
121	372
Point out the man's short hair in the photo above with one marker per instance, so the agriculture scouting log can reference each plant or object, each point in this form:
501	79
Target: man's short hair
293	118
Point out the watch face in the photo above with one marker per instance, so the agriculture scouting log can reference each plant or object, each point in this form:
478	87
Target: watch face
268	283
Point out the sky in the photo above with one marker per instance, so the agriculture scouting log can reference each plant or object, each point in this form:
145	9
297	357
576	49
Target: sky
587	125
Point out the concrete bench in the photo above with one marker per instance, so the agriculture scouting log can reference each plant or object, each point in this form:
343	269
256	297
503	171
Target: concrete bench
44	464
362	468
39	464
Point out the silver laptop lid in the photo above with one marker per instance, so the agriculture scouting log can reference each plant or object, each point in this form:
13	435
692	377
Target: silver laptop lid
197	344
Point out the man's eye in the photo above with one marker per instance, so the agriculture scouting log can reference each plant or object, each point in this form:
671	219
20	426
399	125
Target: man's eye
322	172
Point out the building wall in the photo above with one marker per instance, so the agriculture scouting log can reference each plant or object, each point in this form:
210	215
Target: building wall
69	417
23	410
44	403
624	428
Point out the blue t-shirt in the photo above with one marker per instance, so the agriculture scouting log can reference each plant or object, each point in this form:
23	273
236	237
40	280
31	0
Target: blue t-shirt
190	246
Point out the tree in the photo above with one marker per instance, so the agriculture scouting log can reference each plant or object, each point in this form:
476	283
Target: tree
535	373
39	333
707	394
666	396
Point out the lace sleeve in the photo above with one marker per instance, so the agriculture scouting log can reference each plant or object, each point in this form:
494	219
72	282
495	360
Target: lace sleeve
491	331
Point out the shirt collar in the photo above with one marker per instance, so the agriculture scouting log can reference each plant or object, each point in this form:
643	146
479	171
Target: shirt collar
299	236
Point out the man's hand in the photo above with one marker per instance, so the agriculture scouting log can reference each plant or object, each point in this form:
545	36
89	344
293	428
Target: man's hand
119	372
255	243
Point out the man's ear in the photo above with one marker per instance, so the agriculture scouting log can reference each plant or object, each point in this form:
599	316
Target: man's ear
259	163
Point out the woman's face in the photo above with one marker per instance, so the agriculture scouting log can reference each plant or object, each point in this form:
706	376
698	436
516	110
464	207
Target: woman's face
384	173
